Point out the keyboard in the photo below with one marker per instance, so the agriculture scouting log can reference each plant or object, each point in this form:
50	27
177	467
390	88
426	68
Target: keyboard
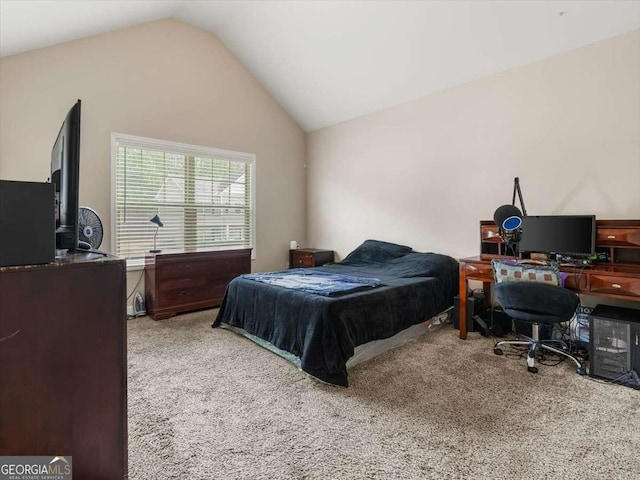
528	261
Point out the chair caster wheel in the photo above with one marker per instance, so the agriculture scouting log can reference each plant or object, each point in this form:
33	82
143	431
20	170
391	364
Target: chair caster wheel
497	351
533	369
581	371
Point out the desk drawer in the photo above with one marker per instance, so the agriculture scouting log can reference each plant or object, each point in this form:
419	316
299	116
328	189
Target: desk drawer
479	271
489	232
626	237
615	285
577	281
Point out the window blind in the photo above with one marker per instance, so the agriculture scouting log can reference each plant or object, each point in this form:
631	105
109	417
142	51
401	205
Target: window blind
203	196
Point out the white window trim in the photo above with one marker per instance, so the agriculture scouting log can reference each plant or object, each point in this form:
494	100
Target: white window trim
176	147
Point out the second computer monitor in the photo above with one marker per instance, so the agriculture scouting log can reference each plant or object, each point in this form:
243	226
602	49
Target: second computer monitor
561	234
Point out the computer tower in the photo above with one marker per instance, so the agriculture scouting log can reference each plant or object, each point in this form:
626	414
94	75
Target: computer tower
614	344
27	223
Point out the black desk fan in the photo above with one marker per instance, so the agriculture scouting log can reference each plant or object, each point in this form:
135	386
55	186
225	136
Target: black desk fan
90	228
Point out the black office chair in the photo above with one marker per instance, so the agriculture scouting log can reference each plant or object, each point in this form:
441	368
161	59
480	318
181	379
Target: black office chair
537	303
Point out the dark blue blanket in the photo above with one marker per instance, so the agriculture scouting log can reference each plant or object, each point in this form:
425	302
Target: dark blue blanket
323	331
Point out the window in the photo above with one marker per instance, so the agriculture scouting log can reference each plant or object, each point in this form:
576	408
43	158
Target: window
204	197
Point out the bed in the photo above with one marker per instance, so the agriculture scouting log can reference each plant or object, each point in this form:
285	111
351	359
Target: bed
319	332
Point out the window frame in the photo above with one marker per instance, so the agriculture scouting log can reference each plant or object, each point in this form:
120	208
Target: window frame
136	141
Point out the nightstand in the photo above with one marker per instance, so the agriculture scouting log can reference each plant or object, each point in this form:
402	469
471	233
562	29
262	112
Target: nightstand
309	257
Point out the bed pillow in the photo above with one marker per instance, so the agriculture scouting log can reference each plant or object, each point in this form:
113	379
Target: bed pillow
376	251
416	264
511	271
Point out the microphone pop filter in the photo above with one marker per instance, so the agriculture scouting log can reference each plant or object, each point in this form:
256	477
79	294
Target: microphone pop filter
512	223
508	217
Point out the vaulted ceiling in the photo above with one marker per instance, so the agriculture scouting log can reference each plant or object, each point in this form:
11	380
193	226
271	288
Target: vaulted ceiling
328	61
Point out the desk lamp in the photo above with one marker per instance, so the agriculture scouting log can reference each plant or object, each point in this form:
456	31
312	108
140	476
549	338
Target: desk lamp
158	223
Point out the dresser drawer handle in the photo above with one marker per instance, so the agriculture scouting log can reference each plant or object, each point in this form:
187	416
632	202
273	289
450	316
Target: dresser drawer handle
611	236
616	285
183	292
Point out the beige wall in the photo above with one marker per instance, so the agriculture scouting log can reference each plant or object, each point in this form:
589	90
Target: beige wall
424	173
163	80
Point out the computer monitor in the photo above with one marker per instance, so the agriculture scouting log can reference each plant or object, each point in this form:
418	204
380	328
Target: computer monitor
559	234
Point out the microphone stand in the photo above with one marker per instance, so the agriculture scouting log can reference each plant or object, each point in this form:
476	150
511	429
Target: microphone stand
512	238
516	189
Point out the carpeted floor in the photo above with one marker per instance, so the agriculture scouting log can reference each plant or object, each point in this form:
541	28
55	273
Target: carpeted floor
208	404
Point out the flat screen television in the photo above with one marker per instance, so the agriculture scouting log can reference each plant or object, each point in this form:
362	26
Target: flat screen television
65	176
559	234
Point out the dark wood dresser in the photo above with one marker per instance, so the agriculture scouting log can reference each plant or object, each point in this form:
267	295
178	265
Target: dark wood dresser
63	363
309	257
177	282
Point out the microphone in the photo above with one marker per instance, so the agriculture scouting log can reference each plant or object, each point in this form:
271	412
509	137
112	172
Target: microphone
508	218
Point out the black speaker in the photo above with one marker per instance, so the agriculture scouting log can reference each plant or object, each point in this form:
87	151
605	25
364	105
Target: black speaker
499	322
470	313
27	223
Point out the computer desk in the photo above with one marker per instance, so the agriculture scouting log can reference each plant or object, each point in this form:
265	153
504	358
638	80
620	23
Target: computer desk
603	280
